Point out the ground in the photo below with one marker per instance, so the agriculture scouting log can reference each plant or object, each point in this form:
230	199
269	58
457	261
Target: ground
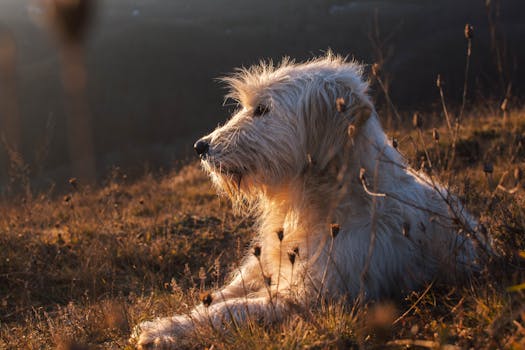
79	269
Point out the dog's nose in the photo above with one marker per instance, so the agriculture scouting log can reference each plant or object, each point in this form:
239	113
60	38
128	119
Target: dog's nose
201	147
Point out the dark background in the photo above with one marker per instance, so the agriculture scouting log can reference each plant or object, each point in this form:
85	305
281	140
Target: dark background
153	66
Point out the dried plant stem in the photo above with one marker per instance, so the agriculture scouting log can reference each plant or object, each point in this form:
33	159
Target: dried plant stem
280	265
268	289
323	278
444	106
230	314
420	133
465	82
414	304
459	119
371	193
291	278
245	293
388	99
438	154
373	220
500	187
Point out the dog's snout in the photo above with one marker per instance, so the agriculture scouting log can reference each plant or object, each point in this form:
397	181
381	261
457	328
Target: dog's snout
201	147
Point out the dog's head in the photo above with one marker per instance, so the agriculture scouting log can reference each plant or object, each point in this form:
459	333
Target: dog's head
289	116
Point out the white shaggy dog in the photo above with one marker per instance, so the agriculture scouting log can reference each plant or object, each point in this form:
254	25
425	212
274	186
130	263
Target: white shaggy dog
339	213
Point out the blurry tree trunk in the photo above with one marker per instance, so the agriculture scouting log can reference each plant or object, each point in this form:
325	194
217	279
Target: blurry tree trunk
9	112
70	19
79	128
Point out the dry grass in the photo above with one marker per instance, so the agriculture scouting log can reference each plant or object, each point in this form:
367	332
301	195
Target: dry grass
78	271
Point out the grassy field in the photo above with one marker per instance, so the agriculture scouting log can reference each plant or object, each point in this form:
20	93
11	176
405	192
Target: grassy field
79	270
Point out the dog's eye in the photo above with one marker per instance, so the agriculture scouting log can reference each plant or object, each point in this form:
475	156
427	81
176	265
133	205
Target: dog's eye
260	110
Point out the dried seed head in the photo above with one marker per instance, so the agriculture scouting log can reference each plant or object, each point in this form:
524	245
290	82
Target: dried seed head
435	134
257	251
207	299
504	104
280	235
73	182
425	165
488	168
60	239
517	174
469	31
309	159
362	175
291	257
406	229
439	83
202	273
334	230
394	143
376	69
351	131
340	105
417	120
268	280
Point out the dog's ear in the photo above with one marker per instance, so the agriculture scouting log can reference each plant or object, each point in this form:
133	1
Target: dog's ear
357	114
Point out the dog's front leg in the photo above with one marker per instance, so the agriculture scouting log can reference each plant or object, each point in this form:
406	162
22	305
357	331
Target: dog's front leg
173	332
170	332
248	279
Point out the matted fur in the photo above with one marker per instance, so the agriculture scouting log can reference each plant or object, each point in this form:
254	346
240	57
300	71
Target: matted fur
355	220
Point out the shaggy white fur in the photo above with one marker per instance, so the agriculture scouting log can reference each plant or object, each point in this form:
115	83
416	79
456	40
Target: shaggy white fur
339	212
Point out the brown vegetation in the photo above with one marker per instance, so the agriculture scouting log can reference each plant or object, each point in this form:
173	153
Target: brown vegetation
79	271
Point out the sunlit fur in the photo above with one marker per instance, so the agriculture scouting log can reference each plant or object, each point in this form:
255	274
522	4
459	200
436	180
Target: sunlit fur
304	166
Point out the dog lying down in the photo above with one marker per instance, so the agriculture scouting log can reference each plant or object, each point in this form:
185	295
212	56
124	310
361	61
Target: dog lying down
339	212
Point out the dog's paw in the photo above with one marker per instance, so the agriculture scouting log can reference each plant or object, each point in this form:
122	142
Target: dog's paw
164	333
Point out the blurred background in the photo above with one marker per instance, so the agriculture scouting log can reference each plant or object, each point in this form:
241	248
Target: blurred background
137	84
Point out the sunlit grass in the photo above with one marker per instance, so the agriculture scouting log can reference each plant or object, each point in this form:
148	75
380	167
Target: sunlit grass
84	267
